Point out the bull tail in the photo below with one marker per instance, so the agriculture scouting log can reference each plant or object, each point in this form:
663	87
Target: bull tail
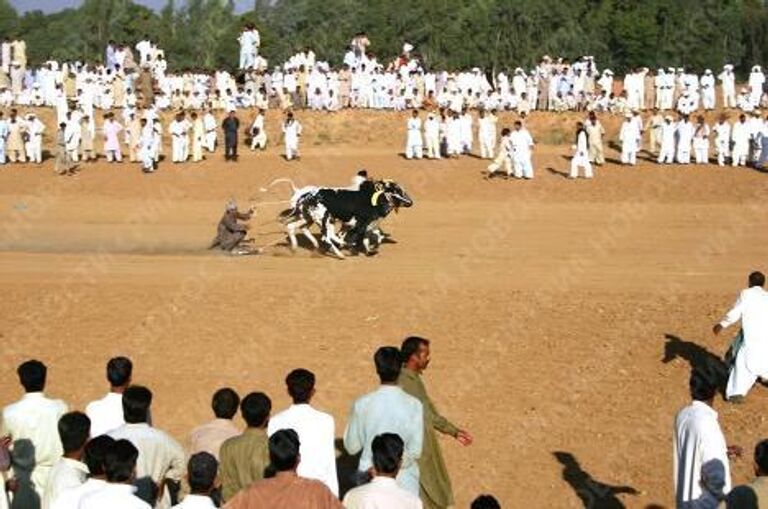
280	181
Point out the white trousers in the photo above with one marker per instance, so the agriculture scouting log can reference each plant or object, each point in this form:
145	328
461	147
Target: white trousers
742	378
722	147
683	153
291	150
702	154
414	150
177	150
666	154
581	160
487	148
628	154
433	147
739	155
523	167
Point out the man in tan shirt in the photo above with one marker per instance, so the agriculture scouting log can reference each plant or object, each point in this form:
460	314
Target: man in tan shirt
285	490
209	437
244	458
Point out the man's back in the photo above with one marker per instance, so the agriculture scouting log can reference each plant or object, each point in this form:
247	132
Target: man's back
316	432
285	491
32	423
388	410
106	414
752	308
697	440
381	493
209	436
72	497
113	496
243	460
160	456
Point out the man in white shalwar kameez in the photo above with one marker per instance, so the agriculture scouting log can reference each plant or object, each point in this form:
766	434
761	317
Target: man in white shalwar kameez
697	441
414	144
751	357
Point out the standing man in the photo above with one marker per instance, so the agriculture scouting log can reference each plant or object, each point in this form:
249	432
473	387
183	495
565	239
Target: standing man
487	134
178	130
112	131
32	424
291	135
201	476
198	133
258	132
630	140
655	124
35	129
120	470
698	439
93	457
432	136
106	413
667	150
3	137
230	126
414	144
388	409
580	156
435	484
685	132
751	354
161	458
209	123
728	85
722	139
740	137
316	430
522	146
63	164
595	132
244	458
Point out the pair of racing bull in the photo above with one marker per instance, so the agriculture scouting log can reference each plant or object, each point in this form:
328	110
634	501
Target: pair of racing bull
358	211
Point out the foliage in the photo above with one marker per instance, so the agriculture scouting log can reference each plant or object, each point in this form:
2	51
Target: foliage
493	34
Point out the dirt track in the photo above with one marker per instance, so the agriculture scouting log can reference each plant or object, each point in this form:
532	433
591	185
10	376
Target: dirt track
548	301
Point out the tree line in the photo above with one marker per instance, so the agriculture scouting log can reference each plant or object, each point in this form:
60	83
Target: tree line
447	34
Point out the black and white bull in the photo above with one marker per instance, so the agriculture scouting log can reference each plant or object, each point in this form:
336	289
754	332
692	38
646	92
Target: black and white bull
358	210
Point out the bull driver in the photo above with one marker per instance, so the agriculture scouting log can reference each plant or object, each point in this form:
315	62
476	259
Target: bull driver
231	234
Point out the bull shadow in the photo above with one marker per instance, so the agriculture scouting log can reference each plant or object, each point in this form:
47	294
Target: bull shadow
699	359
593	493
346	468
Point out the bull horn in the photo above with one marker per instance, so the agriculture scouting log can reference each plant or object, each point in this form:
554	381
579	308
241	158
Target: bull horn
375	197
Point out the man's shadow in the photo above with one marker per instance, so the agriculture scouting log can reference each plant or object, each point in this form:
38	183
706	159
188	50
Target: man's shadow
24	461
699	358
593	494
346	468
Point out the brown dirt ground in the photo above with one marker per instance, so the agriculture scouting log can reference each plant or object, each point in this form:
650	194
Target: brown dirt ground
548	301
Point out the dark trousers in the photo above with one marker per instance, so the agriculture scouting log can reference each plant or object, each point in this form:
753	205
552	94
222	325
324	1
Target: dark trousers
230	146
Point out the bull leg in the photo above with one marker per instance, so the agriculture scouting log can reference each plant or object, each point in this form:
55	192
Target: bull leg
329	235
308	235
291	230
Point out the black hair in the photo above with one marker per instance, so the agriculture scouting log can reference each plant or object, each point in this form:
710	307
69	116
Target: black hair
225	403
301	383
136	402
255	409
95	452
387	450
761	456
485	502
32	375
388	365
119	371
284	450
120	461
201	472
410	346
756	279
703	388
74	430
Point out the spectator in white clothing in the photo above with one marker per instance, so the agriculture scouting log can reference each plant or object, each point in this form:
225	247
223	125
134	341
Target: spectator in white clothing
119	492
161	458
383	492
316	430
698	439
202	470
69	472
106	413
32	425
93	457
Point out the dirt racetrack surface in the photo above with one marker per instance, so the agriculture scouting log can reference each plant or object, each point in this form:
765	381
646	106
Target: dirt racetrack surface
565	316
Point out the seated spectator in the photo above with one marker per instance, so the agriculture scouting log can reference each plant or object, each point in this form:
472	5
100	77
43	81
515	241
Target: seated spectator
383	492
244	458
286	490
209	437
69	472
93	457
201	475
161	458
119	492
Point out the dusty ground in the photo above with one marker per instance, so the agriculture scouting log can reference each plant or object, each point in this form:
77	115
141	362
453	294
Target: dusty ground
549	302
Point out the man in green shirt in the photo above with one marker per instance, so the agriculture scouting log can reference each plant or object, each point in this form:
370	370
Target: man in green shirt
435	484
244	458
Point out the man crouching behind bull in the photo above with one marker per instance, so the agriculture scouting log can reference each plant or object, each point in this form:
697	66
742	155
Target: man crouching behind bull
230	234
